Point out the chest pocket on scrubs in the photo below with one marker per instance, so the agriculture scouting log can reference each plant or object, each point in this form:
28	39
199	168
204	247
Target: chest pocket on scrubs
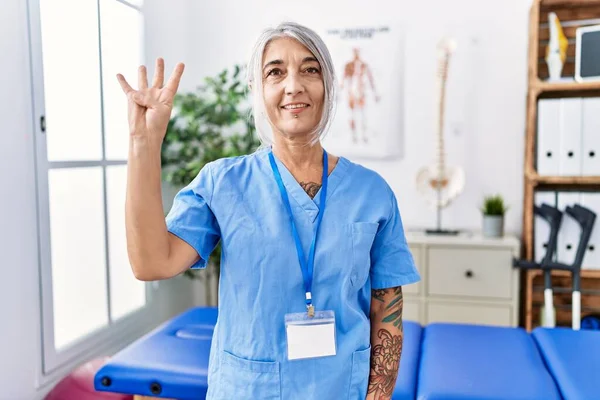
363	235
247	380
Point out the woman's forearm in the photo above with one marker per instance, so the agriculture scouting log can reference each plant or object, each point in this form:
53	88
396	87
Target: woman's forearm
147	236
386	342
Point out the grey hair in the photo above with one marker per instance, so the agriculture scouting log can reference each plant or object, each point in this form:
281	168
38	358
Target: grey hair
313	42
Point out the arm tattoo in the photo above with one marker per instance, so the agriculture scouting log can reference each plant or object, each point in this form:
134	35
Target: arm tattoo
387	348
394	309
311	188
385	360
378	294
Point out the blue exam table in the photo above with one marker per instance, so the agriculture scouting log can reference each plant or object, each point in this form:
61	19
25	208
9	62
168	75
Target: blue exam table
169	362
482	362
573	358
439	361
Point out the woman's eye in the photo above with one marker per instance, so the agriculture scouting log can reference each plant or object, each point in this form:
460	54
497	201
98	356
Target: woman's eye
274	71
313	70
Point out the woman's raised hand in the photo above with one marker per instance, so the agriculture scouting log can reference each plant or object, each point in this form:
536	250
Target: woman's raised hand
149	108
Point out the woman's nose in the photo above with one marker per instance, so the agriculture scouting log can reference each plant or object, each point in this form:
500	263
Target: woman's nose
293	84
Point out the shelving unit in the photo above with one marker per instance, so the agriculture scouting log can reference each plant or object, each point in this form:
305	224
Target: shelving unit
572	14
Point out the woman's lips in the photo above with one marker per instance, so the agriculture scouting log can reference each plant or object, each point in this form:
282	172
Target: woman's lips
296	109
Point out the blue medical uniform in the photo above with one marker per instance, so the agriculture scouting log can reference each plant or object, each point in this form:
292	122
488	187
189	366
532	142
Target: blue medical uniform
361	246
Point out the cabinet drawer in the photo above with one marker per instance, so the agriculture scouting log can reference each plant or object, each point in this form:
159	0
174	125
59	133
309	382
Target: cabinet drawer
481	314
411	310
417	254
470	272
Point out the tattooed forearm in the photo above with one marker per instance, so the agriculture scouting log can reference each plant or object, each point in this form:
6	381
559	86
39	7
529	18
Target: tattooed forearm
394	308
311	188
386	341
385	362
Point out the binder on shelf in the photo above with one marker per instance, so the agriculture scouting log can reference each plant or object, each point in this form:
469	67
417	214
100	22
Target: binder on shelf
541	229
590	128
570	160
568	237
591	259
548	136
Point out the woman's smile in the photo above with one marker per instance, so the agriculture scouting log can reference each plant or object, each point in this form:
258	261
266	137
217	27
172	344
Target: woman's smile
295	108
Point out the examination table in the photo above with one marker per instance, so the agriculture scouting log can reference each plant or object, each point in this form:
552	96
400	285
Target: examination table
439	361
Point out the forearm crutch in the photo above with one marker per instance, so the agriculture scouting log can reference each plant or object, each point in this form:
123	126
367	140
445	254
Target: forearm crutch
586	219
553	217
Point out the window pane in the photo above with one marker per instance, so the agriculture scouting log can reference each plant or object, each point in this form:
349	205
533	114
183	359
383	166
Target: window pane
78	252
127	294
71	79
121	30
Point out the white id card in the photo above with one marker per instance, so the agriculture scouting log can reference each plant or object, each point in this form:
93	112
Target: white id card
310	337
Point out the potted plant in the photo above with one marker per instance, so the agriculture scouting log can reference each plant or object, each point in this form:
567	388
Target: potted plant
213	122
493	210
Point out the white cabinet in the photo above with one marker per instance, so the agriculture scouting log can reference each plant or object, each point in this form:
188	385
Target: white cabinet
418	257
465	279
412	310
470	313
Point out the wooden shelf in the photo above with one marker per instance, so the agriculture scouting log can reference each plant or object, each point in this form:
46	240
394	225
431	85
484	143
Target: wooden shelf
585	273
567	180
566	89
572	14
549	4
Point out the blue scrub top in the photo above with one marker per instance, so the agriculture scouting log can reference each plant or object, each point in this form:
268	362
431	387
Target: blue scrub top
361	246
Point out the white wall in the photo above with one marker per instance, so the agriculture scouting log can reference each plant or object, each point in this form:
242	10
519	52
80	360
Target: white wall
20	351
486	88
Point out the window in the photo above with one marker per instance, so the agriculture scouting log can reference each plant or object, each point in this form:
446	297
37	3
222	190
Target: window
88	292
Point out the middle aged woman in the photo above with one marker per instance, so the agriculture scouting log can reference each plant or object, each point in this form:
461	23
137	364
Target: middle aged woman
313	249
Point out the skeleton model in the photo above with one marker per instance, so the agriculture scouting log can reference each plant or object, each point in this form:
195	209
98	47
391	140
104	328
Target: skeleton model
439	183
556	51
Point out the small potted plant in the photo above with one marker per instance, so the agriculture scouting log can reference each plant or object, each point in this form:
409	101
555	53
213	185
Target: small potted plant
493	210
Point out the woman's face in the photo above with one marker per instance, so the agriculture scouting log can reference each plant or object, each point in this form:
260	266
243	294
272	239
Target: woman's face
292	87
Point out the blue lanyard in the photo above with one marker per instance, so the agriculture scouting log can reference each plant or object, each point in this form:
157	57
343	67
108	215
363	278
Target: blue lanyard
307	267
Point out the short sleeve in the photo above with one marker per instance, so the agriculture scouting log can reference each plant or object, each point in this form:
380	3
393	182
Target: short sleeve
392	263
191	218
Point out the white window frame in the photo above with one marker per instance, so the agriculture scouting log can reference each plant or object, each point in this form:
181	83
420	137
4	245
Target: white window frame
117	333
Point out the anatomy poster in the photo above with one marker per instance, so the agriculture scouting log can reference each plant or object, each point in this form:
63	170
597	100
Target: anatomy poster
369	118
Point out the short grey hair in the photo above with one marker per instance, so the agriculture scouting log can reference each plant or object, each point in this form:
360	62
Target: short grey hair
313	42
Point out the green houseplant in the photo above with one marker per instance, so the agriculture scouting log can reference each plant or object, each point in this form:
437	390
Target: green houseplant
211	123
493	210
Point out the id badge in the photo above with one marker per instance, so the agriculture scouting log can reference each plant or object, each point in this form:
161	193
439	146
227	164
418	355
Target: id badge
310	337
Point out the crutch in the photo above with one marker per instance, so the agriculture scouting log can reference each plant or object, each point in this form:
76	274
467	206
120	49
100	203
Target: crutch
553	217
586	219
